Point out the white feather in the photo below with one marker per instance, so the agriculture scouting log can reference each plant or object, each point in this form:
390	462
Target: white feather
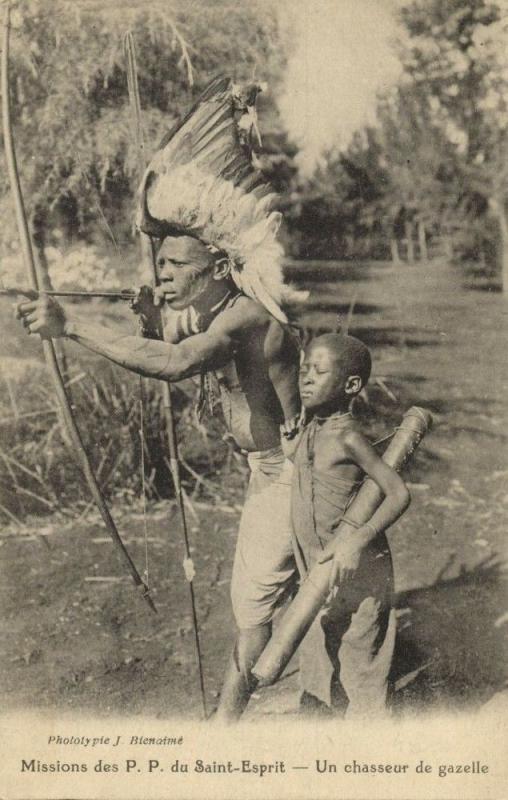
226	217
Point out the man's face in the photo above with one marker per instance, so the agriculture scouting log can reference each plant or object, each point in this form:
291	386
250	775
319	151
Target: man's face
184	268
322	382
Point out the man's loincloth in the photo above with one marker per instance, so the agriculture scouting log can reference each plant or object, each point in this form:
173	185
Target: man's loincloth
346	655
264	568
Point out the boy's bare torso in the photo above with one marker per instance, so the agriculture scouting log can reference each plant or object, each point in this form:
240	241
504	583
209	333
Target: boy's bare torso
330	453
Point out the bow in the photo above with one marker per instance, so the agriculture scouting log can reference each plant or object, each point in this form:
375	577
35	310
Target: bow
36	280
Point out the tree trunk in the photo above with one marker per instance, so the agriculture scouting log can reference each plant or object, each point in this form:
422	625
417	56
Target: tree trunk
503	227
448	247
394	249
38	231
408	227
422	241
498	209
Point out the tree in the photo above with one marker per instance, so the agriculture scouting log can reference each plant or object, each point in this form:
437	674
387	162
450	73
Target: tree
338	212
420	166
71	114
457	59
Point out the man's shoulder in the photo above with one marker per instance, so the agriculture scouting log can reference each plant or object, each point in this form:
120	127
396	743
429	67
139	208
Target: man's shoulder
244	313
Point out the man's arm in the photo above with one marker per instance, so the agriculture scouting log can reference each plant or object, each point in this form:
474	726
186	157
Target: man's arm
282	356
148	357
155	359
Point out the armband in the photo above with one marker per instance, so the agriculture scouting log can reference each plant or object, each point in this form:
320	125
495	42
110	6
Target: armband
291	427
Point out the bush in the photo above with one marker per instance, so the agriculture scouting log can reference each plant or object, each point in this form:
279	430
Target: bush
81	268
38	473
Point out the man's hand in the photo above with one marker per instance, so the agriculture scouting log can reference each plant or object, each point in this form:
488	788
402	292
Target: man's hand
147	305
43	316
346	558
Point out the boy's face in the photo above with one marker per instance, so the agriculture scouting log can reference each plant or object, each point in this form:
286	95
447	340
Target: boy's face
324	385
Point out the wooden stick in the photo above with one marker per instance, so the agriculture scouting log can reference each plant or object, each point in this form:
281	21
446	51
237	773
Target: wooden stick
132	80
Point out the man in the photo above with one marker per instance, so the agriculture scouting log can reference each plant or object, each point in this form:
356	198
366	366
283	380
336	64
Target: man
217	256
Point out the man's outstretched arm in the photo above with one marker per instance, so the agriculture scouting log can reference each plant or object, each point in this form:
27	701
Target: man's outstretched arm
148	357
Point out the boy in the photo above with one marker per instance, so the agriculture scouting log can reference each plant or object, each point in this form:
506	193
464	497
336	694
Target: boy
345	657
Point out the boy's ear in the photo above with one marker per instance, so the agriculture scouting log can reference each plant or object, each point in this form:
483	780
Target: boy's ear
354	385
221	269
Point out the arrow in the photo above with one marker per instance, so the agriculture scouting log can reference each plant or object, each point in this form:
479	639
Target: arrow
33	294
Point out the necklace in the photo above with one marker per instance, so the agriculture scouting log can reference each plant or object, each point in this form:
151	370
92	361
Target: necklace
337	415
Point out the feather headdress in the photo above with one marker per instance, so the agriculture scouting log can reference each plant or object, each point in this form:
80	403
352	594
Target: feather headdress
202	182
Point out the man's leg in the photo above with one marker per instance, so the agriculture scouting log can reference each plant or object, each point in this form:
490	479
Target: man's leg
239	683
263	573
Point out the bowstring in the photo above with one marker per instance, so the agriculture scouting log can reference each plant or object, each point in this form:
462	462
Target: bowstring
141	431
146	572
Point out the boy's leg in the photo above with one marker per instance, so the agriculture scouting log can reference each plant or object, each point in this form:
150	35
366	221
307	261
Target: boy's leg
366	647
365	660
318	663
346	656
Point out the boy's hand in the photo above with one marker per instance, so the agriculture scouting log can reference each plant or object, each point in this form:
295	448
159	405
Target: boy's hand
346	558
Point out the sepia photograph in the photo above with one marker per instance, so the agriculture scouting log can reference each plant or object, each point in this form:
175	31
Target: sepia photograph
253	418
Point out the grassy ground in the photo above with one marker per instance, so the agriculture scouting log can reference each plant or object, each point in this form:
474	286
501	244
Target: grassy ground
69	641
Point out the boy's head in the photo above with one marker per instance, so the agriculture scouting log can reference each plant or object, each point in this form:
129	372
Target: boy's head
334	370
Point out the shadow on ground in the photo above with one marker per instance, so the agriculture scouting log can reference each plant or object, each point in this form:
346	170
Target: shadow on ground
450	650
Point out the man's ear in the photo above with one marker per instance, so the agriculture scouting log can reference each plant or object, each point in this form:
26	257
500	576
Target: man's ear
353	385
221	269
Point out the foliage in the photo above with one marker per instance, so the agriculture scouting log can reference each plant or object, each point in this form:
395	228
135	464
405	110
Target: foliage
38	473
438	156
456	65
70	105
82	267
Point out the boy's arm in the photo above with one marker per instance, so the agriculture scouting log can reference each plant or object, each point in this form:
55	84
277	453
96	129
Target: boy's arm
396	493
396	499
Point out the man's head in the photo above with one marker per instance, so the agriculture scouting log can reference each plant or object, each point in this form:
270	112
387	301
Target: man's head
334	370
188	271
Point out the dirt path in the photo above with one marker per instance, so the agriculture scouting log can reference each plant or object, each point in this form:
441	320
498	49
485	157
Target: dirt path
70	642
